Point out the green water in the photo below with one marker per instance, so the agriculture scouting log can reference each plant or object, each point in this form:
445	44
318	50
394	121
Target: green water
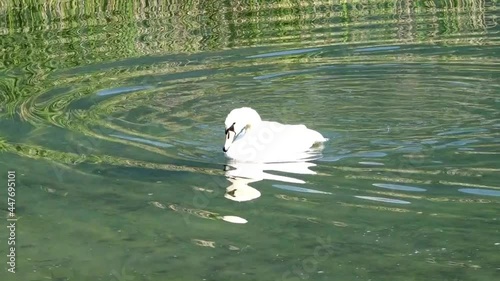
112	116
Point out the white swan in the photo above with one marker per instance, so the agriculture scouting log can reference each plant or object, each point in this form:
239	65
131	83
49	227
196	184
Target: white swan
249	139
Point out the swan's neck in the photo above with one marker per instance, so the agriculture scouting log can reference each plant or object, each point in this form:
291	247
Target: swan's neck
252	126
248	129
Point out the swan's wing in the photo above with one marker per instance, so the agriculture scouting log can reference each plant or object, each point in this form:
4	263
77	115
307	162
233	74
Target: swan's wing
292	137
275	142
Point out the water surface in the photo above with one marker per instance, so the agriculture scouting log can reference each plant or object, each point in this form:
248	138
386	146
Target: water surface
112	117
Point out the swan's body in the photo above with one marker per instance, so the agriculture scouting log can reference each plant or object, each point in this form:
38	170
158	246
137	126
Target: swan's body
249	139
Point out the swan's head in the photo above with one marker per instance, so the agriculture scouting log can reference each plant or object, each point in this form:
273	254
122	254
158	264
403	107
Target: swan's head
238	121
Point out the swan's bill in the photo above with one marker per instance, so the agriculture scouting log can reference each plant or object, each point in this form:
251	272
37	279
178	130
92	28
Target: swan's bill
229	140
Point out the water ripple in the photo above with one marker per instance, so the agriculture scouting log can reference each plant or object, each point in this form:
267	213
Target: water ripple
376	49
284	53
122	90
383	199
299	189
399	187
480	191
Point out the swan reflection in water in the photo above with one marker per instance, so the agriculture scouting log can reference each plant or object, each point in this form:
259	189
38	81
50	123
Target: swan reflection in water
242	174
